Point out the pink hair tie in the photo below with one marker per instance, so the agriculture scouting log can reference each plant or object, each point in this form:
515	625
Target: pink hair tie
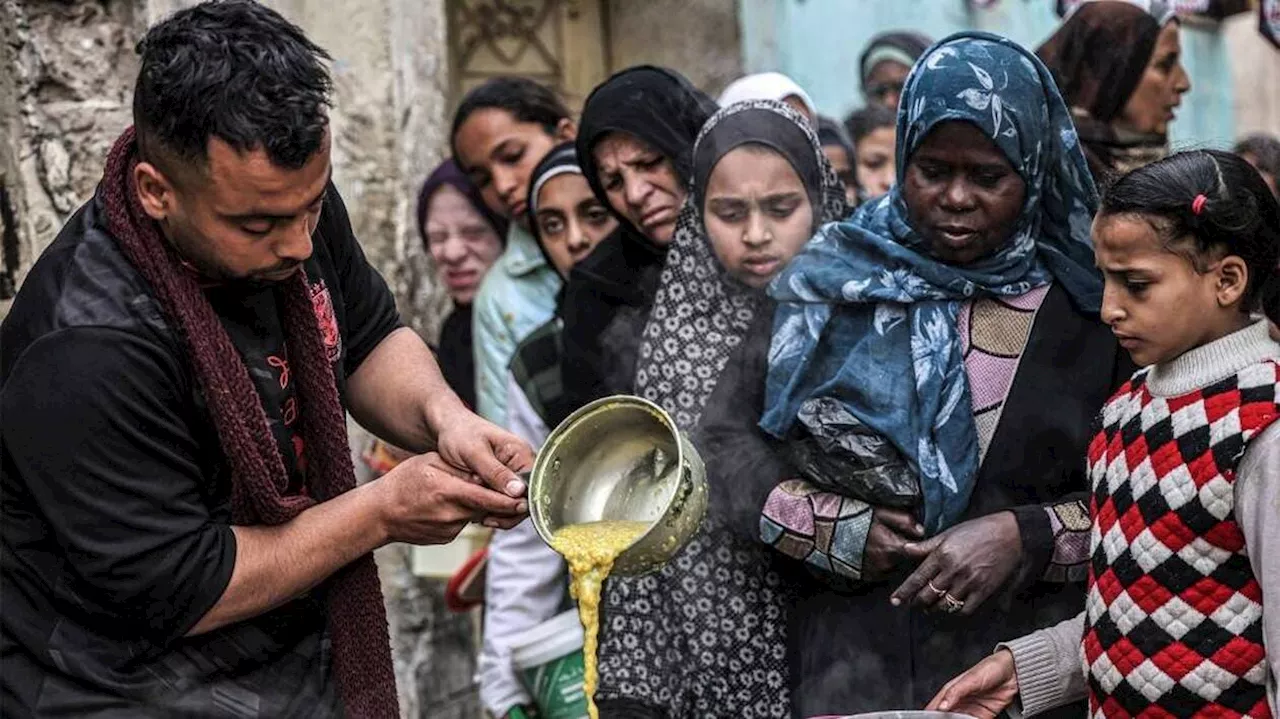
1197	205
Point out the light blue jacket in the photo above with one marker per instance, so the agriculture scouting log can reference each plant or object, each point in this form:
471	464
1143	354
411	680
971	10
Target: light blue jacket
516	297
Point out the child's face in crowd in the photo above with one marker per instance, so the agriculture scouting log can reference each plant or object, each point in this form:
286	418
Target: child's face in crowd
843	166
876	171
461	242
571	221
884	83
498	153
1158	304
757	214
1150	108
641	184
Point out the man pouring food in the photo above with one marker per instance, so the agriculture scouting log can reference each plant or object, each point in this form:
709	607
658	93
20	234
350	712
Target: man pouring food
182	533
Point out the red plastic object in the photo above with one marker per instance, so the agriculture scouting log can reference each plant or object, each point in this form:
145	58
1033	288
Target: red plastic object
465	590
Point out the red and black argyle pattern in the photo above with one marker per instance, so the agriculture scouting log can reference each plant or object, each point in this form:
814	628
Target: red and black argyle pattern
1174	612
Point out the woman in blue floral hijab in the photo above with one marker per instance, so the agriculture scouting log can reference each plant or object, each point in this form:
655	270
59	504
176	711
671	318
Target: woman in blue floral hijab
868	314
948	333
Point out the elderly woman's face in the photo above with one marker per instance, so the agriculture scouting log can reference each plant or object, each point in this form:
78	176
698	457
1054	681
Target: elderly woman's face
461	241
641	184
963	197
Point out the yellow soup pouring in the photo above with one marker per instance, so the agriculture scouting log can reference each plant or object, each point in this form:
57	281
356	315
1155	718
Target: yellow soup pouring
590	550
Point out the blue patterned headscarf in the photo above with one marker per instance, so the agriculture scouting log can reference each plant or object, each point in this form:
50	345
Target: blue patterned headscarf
868	317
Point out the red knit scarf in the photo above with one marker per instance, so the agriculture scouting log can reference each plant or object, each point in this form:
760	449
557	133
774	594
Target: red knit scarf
357	620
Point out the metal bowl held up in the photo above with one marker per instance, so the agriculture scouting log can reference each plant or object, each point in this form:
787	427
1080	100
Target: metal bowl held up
621	458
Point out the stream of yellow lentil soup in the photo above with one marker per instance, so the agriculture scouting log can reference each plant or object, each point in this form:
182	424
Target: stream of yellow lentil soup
590	550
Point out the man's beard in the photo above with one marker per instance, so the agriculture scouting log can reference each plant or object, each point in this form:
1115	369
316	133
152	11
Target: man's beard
211	272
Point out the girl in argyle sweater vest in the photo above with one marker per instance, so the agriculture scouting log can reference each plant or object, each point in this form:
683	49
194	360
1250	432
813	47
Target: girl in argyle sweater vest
1185	468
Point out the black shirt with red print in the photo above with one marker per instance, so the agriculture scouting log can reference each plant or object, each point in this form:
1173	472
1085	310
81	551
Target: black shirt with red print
115	495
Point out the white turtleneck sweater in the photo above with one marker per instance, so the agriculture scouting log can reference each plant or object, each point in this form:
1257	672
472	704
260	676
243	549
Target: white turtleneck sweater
1048	662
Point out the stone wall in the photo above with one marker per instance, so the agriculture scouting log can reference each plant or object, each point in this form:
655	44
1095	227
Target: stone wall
66	78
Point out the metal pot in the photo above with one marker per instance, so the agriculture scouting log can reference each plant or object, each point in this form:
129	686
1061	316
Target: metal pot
621	458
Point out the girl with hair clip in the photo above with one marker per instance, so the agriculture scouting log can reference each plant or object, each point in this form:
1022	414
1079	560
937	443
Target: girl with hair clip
1185	469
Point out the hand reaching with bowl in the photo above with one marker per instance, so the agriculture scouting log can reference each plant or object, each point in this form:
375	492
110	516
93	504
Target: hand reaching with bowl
983	692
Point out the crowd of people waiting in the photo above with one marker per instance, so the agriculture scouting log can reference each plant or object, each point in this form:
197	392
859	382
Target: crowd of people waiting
928	268
986	380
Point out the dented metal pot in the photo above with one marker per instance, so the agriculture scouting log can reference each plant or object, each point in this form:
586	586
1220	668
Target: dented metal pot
621	458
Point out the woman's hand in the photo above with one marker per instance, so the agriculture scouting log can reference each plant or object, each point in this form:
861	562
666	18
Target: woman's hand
963	566
892	531
982	692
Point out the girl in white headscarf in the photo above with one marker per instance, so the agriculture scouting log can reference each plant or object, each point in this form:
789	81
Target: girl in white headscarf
770	86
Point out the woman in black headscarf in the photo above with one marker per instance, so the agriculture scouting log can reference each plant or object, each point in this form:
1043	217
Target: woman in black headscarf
525	579
1117	64
569	222
634	140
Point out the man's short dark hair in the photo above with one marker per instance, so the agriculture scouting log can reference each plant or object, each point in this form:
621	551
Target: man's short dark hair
235	70
526	100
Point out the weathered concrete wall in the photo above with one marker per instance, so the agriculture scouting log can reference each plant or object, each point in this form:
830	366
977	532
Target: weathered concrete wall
704	44
1255	75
